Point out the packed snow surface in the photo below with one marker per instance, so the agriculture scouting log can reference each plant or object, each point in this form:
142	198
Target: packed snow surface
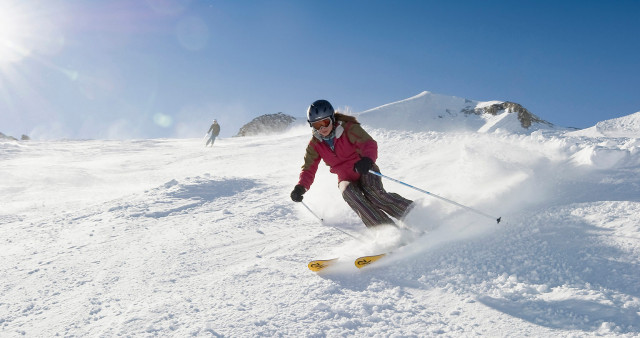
165	237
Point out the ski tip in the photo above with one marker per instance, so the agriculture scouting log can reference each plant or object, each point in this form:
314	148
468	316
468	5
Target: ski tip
319	265
315	267
366	260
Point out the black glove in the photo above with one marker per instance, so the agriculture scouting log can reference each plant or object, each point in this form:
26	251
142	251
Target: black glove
296	194
362	167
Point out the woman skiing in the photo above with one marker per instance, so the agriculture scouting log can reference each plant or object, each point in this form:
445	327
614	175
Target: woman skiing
350	152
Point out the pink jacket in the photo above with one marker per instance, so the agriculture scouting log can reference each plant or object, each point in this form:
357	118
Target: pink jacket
351	143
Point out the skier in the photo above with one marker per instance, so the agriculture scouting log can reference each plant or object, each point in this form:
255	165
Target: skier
215	131
350	152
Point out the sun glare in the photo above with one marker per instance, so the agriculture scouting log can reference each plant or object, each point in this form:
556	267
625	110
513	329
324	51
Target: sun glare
13	33
24	30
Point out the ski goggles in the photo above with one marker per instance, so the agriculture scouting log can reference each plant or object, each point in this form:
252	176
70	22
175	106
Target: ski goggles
321	123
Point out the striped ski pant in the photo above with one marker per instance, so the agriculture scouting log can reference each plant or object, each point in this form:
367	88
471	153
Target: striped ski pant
371	202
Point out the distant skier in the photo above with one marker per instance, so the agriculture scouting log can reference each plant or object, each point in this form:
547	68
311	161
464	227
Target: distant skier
215	131
350	152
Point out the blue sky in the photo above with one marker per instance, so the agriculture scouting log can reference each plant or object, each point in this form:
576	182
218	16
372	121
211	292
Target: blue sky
163	68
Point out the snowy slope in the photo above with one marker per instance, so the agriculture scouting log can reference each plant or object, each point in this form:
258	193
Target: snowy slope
165	237
625	126
435	112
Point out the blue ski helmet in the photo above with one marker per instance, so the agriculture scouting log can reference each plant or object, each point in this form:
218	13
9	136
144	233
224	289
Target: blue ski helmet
320	109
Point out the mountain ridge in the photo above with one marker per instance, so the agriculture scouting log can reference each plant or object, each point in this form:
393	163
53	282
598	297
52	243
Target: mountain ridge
624	126
437	112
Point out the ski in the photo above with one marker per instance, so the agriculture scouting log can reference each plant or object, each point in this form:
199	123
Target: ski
360	262
321	264
363	261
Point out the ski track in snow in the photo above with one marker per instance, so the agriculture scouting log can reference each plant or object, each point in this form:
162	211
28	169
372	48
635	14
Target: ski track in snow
164	237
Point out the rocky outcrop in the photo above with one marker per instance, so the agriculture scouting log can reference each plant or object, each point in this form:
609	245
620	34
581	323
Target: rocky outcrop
525	117
6	137
267	124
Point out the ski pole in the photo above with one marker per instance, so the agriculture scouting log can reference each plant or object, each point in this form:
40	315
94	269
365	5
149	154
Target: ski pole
436	196
323	223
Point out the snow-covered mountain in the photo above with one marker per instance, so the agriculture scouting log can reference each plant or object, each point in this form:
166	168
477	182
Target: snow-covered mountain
168	238
626	126
434	112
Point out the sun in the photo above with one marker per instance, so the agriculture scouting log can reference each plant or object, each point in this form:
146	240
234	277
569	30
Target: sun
20	30
12	33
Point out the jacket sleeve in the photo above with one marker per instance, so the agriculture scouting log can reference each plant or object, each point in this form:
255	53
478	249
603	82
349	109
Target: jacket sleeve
310	166
365	145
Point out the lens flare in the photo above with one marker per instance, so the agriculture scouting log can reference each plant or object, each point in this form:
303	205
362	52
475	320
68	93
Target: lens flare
162	120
